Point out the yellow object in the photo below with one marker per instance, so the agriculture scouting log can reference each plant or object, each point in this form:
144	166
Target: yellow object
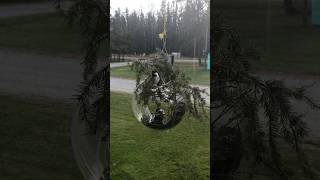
161	36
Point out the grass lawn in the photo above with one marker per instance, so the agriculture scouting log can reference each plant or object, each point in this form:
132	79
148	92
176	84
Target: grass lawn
198	75
285	45
35	140
138	152
44	33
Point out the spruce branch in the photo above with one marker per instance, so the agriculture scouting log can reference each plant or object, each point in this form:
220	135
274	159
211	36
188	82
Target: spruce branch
240	97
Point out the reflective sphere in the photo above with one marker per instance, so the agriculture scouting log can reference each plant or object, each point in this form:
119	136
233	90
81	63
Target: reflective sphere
155	106
89	150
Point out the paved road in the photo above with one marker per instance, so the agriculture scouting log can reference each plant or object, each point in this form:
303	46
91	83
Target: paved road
119	64
21	9
41	75
38	75
180	60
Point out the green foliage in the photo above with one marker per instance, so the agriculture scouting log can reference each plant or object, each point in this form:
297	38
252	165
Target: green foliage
91	17
258	111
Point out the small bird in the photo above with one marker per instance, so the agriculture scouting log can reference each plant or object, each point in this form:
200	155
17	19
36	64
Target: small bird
155	78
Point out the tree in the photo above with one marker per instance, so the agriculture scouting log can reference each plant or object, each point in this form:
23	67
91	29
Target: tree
150	32
185	26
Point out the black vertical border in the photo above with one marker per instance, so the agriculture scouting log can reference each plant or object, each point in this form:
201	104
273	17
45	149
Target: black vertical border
107	94
211	4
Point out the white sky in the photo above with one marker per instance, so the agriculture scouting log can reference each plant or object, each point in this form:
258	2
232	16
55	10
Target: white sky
144	5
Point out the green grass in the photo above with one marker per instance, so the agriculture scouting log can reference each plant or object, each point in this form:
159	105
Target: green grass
123	72
138	152
198	75
285	45
35	139
44	33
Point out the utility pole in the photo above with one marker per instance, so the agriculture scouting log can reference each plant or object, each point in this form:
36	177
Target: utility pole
207	28
206	40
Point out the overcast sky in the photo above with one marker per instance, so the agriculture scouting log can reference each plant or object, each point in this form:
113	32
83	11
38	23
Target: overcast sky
144	5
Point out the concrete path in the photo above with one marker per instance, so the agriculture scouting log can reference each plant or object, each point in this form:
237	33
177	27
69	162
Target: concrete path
122	85
180	60
119	64
128	86
21	9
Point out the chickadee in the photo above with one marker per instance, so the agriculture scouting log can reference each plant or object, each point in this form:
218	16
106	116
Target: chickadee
155	77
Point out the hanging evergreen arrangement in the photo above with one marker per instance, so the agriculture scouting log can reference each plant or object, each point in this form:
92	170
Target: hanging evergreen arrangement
168	89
